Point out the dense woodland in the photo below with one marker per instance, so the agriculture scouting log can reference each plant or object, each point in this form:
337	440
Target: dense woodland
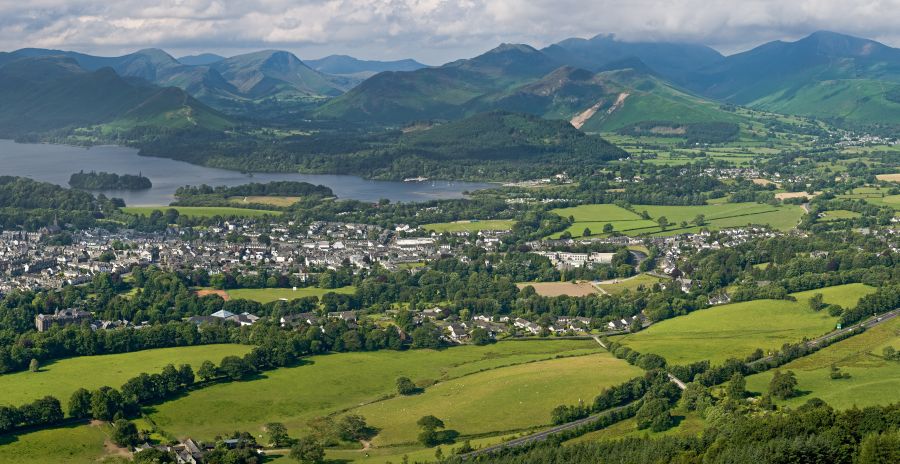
108	181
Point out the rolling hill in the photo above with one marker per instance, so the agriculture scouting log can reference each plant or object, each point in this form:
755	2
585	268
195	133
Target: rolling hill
45	93
825	74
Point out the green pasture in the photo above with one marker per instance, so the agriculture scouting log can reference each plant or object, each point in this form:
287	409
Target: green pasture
265	295
736	330
469	226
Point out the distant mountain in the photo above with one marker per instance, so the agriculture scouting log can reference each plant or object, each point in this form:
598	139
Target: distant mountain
271	73
602	52
439	92
50	92
203	59
245	77
825	74
343	65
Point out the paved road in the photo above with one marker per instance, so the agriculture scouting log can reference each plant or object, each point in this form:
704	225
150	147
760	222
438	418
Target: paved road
540	436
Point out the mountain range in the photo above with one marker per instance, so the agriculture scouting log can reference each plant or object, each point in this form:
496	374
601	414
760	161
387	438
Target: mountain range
598	84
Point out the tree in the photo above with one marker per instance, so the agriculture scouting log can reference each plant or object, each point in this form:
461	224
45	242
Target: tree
663	222
353	427
635	326
278	434
783	385
308	450
426	336
607	228
737	386
106	402
207	371
586	232
696	397
405	386
235	367
429	425
654	414
890	353
816	303
34	365
154	456
879	449
699	220
80	404
480	337
125	433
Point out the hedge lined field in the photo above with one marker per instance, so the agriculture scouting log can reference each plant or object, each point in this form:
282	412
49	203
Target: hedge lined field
61	378
336	382
873	380
736	330
470	226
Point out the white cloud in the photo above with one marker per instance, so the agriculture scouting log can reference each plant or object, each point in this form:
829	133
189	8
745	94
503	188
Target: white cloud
430	30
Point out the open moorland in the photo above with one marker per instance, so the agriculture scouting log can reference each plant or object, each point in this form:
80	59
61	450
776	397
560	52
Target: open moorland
335	383
61	378
873	379
735	330
202	211
717	216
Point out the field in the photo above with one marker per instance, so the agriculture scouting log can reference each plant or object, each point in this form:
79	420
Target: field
62	378
265	295
873	380
560	288
337	382
469	226
889	177
690	423
735	330
201	211
77	444
500	400
717	216
838	214
874	195
632	283
281	202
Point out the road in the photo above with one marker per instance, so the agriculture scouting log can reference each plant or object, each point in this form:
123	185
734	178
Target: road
540	436
867	324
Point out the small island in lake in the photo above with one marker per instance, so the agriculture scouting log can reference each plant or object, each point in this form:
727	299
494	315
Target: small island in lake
109	181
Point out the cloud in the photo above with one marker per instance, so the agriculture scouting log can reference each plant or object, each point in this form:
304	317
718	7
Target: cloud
430	30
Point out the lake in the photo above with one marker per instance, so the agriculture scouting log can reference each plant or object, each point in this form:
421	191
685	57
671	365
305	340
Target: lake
55	163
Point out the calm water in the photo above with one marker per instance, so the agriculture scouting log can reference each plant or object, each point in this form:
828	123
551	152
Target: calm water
55	163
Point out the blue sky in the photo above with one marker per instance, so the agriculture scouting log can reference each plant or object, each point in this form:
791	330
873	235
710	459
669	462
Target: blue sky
432	31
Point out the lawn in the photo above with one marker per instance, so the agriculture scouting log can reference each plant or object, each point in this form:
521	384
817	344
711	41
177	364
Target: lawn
265	295
281	202
62	378
470	226
76	444
717	216
500	400
337	382
201	211
632	283
873	380
735	330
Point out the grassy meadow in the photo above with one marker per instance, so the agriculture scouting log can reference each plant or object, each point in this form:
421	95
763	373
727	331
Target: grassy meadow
717	215
61	378
266	295
735	330
339	382
280	202
631	283
873	380
500	400
202	211
76	444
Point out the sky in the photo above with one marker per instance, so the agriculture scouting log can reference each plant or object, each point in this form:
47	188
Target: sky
431	31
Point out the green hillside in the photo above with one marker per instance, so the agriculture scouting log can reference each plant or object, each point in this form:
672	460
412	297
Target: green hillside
46	93
854	100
